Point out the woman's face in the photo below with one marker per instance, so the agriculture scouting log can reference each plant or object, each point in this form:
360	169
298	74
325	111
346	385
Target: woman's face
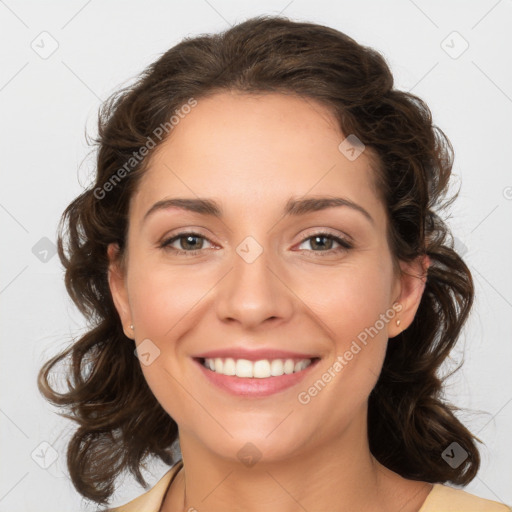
256	278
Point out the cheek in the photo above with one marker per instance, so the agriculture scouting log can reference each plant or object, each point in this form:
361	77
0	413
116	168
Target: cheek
354	307
350	299
167	302
165	299
351	305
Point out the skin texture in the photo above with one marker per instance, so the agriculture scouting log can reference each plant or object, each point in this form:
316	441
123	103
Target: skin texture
252	153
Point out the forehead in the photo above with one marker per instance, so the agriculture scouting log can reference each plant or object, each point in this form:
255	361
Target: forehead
250	151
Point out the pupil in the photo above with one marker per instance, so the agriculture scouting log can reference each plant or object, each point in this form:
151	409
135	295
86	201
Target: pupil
188	238
316	238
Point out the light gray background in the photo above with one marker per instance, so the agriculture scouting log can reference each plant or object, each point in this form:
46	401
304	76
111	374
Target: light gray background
46	104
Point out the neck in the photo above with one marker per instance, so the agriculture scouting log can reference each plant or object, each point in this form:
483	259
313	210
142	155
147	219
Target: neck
340	475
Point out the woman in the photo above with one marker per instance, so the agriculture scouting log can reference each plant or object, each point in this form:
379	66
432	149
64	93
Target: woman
263	236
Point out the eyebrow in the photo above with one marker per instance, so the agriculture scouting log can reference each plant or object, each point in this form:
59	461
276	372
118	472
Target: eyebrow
293	207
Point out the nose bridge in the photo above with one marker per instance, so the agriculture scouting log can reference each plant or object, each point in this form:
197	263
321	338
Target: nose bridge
253	291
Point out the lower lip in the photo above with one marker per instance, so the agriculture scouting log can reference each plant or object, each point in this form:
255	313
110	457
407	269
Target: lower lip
254	387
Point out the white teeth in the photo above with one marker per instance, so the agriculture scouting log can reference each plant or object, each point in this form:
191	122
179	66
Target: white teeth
244	368
276	368
256	369
229	367
261	369
300	366
288	366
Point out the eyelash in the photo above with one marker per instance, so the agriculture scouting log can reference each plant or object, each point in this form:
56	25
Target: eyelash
344	243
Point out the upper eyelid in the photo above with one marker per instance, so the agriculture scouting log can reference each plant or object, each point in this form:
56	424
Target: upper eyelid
309	234
177	236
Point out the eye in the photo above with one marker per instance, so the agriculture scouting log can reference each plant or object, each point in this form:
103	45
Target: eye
190	242
318	240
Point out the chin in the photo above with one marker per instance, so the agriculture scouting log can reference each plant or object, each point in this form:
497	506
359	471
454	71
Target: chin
254	444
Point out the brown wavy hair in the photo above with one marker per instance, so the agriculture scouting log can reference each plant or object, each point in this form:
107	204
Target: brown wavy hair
120	422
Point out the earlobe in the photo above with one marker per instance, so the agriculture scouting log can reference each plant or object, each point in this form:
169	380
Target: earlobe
412	285
117	285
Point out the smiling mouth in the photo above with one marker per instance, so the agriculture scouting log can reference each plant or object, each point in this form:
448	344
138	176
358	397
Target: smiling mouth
261	369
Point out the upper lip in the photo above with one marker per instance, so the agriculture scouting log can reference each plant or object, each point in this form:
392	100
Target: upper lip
253	355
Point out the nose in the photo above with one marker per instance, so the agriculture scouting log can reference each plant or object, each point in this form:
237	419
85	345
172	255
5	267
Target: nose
255	292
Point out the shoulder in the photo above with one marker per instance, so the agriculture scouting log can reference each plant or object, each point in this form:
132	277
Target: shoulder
151	500
443	498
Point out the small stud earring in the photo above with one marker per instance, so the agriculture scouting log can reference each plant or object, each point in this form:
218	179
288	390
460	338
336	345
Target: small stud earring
398	322
131	327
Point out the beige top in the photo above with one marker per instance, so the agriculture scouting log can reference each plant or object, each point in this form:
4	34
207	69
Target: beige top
441	498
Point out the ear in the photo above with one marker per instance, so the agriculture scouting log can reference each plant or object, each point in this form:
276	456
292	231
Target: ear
411	286
117	285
